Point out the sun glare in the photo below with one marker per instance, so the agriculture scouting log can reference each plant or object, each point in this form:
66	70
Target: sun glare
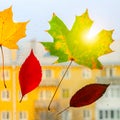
89	37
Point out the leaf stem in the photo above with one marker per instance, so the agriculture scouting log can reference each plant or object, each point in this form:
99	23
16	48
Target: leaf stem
21	99
63	110
3	66
59	84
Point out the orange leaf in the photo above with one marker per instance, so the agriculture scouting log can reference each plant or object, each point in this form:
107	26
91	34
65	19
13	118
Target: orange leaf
10	31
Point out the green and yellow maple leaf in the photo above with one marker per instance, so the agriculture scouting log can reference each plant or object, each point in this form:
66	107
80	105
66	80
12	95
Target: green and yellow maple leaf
10	31
74	45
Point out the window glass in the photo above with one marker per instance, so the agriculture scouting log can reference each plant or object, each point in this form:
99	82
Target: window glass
118	114
106	114
112	114
44	115
65	93
47	73
86	73
66	115
86	114
100	114
5	95
22	115
109	114
110	72
5	115
6	74
45	94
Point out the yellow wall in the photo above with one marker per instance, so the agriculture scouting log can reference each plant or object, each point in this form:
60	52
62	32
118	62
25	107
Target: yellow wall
73	83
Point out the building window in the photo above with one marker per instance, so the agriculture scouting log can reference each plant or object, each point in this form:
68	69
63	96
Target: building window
107	92
109	114
66	115
112	114
5	95
118	114
45	94
22	115
6	74
86	73
113	92
106	114
45	115
5	115
67	74
47	73
86	114
100	114
65	93
118	92
110	72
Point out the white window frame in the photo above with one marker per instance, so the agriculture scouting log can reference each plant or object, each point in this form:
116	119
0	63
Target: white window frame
86	73
113	92
5	115
45	74
6	74
65	93
87	114
45	115
45	94
67	115
5	95
112	114
23	115
110	71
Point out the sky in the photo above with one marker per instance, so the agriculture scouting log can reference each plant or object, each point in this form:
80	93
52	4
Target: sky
104	13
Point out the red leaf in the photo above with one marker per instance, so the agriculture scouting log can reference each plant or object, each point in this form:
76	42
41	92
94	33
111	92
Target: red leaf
30	74
88	94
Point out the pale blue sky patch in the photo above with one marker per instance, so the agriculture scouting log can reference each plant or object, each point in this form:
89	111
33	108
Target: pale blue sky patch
104	13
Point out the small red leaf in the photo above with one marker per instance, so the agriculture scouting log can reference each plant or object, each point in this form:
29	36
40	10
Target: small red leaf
88	94
30	74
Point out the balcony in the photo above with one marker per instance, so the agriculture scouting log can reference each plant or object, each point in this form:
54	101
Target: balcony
115	80
49	82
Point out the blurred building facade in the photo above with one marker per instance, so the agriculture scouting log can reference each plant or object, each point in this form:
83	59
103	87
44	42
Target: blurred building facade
35	104
108	108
